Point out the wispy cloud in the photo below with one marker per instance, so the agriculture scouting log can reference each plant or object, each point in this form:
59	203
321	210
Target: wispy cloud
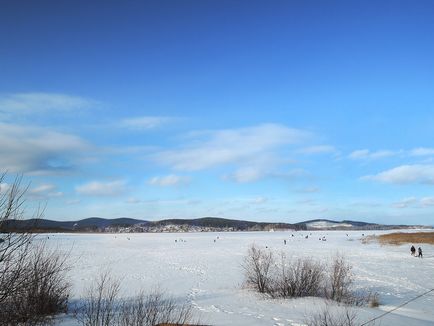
406	174
4	187
366	154
169	180
99	188
254	173
427	201
422	151
228	146
413	202
28	149
145	122
44	191
246	174
42	102
405	202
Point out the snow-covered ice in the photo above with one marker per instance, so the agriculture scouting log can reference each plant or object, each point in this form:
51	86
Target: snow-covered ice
210	276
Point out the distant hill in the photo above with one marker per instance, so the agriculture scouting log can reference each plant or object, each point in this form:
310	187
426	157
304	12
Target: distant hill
97	223
218	222
85	224
93	224
324	224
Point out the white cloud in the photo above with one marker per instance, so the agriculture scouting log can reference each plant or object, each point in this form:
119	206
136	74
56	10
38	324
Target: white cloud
228	146
38	150
44	188
405	202
414	202
97	188
4	187
319	149
255	173
44	191
427	201
41	102
246	174
145	122
406	174
422	151
366	154
169	180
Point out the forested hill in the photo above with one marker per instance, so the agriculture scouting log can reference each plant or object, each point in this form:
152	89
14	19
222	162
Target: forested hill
98	224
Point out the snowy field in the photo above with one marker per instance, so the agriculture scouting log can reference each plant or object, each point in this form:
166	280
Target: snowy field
210	276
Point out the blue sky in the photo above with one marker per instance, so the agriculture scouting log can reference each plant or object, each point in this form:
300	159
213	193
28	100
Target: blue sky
259	110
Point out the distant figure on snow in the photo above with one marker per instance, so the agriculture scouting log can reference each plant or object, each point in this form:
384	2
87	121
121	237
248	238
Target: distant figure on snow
413	250
284	242
419	250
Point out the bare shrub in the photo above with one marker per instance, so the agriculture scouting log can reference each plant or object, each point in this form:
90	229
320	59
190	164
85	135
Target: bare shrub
345	317
300	278
103	307
44	290
153	309
32	278
14	248
340	280
373	300
307	276
100	306
257	268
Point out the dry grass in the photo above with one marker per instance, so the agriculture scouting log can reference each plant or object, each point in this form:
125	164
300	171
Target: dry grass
403	238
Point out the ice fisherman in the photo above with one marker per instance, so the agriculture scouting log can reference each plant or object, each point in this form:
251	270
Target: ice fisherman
419	250
413	250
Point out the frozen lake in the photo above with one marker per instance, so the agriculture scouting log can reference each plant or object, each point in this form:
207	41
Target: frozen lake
209	274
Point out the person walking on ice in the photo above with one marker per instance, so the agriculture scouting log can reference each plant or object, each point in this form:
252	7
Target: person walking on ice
413	250
419	250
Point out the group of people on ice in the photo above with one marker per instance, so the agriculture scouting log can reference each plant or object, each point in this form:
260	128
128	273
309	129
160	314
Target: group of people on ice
413	251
